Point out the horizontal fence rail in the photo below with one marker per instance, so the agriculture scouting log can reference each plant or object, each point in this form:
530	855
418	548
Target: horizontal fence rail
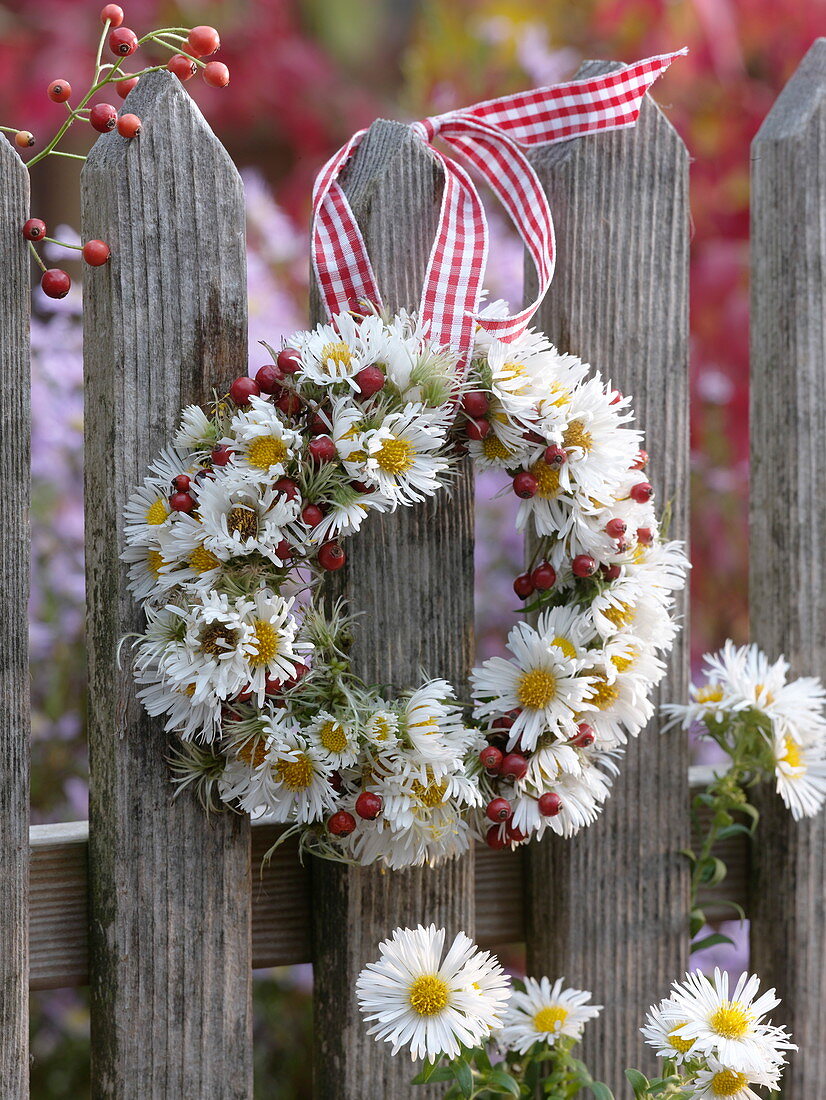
281	909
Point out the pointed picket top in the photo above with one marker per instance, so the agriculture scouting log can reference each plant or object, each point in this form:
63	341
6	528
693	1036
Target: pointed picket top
801	100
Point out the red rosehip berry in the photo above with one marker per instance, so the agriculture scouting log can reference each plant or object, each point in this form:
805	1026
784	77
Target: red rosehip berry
319	425
370	380
491	758
287	486
24	139
125	86
341	823
641	461
506	721
243	388
289	403
272	686
360	487
55	283
477	429
549	804
498	809
203	41
514	766
584	736
525	485
611	572
34	229
216	74
645	535
221	456
312	515
544	576
269	379
616	397
129	126
336	782
555	456
298	675
369	805
103	117
289	360
112	14
96	253
59	91
182	67
616	528
584	565
331	557
494	838
182	502
475	403
181	482
123	42
642	492
322	449
284	551
523	586
514	835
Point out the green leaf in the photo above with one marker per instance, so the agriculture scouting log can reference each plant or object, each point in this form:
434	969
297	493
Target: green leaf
638	1082
600	1090
689	854
464	1077
698	919
733	830
432	1071
712	871
710	941
503	1083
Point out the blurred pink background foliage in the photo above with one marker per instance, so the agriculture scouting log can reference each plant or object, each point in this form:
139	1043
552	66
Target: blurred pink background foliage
305	74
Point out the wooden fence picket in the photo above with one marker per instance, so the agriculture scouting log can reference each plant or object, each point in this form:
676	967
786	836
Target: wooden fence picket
787	578
608	908
164	323
15	421
410	575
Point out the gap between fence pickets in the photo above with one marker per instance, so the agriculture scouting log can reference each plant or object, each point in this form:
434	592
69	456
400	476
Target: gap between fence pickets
280	901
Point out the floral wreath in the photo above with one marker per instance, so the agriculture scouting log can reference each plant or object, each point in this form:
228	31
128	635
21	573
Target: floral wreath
241	518
238	522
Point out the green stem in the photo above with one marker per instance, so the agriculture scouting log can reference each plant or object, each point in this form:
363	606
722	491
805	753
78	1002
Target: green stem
60	153
99	53
64	244
178	50
10	129
33	251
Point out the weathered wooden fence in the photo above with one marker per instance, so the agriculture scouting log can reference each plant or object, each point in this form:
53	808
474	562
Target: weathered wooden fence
156	907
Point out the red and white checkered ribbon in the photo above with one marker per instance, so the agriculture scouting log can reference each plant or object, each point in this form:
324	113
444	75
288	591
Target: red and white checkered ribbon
488	135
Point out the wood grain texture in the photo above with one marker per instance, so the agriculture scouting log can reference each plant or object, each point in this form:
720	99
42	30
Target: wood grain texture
608	908
788	526
281	909
410	575
170	890
15	428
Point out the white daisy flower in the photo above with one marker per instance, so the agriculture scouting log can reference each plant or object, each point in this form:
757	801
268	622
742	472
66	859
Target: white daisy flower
146	511
271	651
436	834
544	1013
800	771
239	517
718	1082
333	354
661	1031
539	681
191	721
599	448
145	562
504	447
414	996
403	455
299	780
334	738
260	440
381	727
432	724
197	432
212	657
727	1026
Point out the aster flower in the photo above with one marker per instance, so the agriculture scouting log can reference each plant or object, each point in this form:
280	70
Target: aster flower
800	772
237	517
416	995
718	1082
403	456
260	440
544	1013
335	739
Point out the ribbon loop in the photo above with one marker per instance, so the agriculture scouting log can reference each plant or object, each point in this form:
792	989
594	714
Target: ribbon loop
489	136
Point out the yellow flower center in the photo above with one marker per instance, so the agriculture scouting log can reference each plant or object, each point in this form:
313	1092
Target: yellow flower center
567	647
511	373
333	737
557	395
792	754
547	478
536	688
550	1018
575	435
678	1043
202	560
217	638
157	512
265	451
711	693
395	456
620	614
154	561
380	727
266	638
431	795
242	521
603	694
622	664
296	775
338	351
429	995
253	752
730	1020
728	1083
494	449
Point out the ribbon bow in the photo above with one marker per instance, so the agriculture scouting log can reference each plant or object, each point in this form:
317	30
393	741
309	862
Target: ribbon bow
490	137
